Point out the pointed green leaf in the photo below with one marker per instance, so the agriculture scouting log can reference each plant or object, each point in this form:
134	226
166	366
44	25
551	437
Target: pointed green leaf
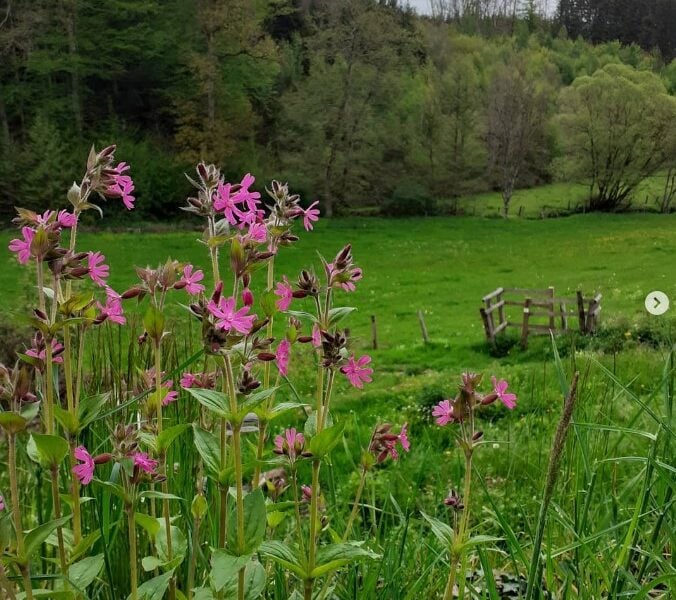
254	524
49	449
322	443
216	402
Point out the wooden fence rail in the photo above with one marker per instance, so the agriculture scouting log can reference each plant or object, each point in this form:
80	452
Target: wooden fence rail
555	313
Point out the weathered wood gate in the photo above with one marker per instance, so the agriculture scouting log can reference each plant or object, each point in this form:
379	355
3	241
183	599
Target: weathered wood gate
541	312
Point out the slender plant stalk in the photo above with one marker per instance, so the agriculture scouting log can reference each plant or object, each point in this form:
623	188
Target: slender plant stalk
16	514
355	506
237	456
49	390
163	463
57	515
131	524
550	482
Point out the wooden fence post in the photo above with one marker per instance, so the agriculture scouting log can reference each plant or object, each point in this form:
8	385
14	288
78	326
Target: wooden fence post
580	312
524	326
564	316
374	333
550	293
487	326
423	327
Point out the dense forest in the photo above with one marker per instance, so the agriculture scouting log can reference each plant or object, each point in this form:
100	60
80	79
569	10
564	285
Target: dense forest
358	103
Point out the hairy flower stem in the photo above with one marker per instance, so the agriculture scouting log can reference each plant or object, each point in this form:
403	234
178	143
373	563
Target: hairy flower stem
262	427
458	557
237	456
555	455
49	389
355	506
24	567
131	525
163	462
57	515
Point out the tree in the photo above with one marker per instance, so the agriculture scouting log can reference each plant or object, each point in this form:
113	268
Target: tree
516	126
617	128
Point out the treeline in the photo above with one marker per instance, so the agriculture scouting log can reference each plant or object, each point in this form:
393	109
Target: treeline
360	104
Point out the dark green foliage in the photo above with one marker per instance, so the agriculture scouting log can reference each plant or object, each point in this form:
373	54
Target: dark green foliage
409	199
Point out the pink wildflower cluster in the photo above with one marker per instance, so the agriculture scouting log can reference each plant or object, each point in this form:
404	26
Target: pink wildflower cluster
119	185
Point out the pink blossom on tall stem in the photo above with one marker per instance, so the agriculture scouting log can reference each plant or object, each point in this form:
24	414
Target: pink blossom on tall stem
282	356
247	297
284	292
316	336
228	318
444	412
258	232
188	380
191	280
112	310
66	219
170	396
290	444
403	438
41	354
22	247
310	214
97	270
357	372
2	502
121	185
500	390
145	463
227	202
85	470
246	196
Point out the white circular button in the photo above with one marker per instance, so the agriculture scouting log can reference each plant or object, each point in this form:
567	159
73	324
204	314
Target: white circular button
657	303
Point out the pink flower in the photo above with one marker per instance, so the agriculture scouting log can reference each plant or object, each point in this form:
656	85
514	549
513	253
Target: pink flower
2	502
291	444
229	318
357	372
306	490
224	201
145	463
403	438
444	412
66	219
258	232
310	214
23	247
85	470
245	196
191	280
247	297
500	390
97	270
169	397
282	356
122	186
316	336
112	309
285	293
188	380
41	354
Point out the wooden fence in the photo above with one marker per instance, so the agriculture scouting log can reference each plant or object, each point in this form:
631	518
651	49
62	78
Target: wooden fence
541	312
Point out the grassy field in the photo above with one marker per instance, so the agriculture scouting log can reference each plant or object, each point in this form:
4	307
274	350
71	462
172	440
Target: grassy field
444	266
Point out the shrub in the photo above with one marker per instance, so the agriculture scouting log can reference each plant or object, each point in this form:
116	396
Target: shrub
410	199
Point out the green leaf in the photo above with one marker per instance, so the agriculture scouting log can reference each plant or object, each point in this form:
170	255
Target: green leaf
165	439
441	530
322	443
339	313
35	537
150	524
90	408
330	558
254	524
153	322
479	540
302	315
155	588
12	423
30	410
159	495
225	567
67	420
112	488
253	400
310	427
83	573
208	446
254	582
49	449
216	402
199	506
284	556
